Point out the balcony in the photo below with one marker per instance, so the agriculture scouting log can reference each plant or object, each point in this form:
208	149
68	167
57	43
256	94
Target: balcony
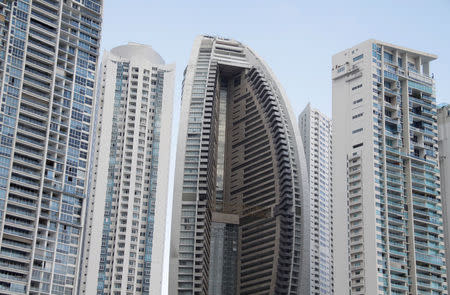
419	116
21	201
17	210
421	78
38	116
433	220
16	266
27	161
15	221
430	259
35	93
391	91
23	180
422	102
17	232
16	244
40	56
14	254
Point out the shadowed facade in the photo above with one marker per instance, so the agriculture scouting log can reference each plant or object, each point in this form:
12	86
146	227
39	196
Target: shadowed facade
240	175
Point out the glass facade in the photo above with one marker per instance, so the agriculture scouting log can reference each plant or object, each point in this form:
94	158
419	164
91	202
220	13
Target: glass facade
223	263
48	62
409	214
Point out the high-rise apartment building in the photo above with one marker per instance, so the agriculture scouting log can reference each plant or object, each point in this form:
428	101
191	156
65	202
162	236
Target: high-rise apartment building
315	130
239	179
387	201
443	117
124	246
48	61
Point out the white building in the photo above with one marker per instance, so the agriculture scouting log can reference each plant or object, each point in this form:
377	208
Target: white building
315	129
443	115
387	202
130	175
48	62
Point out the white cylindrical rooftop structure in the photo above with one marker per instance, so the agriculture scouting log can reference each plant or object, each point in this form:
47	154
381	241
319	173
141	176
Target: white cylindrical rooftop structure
136	50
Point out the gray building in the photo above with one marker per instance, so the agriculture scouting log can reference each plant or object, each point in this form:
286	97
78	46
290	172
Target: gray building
125	240
48	60
315	129
239	180
443	120
386	183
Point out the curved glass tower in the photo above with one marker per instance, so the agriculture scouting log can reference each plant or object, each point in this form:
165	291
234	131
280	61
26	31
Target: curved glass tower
240	176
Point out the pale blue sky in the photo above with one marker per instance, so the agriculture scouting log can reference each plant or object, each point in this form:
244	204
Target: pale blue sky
296	38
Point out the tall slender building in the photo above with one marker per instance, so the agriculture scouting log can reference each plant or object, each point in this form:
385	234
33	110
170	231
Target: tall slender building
315	129
130	174
240	177
386	187
48	61
443	115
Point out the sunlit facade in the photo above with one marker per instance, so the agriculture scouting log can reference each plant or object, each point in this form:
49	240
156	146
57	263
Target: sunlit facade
387	200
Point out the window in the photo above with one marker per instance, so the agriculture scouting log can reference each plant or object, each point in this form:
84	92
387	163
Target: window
357	116
388	57
357	101
357	87
357	130
358	57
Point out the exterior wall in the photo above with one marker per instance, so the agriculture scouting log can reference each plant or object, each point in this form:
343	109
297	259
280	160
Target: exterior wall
129	189
317	243
343	111
92	248
444	163
47	78
225	78
386	179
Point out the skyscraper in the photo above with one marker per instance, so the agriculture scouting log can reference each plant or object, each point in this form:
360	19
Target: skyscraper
240	176
315	129
130	174
386	187
443	117
48	60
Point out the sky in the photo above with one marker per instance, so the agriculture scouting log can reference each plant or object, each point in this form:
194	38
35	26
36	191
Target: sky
296	38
